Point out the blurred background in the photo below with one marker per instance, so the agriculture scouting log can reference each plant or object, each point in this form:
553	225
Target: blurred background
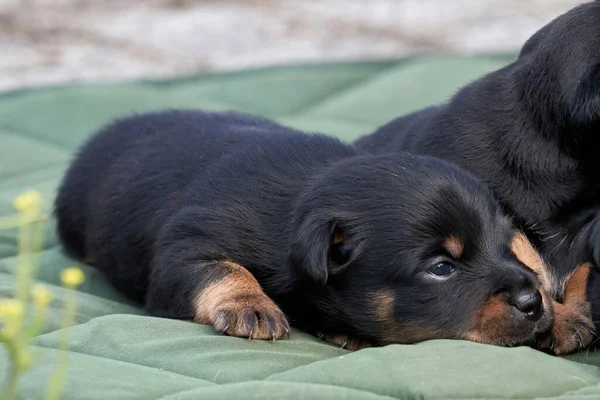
56	41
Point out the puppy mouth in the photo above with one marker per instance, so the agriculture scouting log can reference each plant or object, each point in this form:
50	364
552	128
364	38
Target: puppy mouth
499	323
541	328
531	327
544	323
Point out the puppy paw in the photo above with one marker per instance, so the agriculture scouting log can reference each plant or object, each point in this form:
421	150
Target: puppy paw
572	330
237	306
253	317
346	342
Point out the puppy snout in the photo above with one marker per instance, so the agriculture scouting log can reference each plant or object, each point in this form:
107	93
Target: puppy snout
529	302
520	289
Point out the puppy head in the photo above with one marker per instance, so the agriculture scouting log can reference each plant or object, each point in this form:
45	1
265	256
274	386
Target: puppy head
559	68
400	249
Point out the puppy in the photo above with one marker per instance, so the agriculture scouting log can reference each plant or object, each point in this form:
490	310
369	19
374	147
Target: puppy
530	132
232	220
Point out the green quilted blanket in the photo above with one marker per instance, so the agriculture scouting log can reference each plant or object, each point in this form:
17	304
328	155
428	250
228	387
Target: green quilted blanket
118	352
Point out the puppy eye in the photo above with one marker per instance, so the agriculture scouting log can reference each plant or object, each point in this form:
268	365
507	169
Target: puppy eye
441	270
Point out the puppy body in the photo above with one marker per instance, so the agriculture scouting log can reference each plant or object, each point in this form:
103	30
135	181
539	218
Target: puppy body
228	219
530	132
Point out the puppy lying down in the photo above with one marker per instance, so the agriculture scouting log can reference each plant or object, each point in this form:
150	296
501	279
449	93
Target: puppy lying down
235	221
530	132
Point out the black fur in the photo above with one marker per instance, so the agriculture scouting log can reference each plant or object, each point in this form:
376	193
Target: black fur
531	132
156	201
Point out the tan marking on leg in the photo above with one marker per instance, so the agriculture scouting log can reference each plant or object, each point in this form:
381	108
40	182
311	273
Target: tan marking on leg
576	288
573	326
454	246
236	305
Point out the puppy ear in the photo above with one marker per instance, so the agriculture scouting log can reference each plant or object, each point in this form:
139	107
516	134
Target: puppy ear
585	103
319	249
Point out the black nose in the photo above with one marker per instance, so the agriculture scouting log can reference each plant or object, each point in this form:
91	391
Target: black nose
529	303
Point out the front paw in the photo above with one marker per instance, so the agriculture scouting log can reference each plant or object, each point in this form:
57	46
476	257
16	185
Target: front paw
346	342
253	316
237	306
573	329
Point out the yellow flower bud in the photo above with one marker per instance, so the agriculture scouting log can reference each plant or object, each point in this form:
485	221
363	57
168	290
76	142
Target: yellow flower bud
10	309
42	296
28	202
72	276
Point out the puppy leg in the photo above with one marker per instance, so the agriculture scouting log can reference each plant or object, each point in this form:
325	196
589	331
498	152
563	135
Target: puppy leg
230	299
192	279
573	328
236	305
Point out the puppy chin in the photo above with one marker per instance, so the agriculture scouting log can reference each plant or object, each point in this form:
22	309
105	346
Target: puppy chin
503	325
530	333
526	332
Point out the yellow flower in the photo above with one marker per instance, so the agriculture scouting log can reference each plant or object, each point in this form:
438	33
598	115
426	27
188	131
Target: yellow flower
72	276
42	296
28	202
10	309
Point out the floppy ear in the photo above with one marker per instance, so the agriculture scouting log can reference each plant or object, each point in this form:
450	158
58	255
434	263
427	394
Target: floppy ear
585	104
319	248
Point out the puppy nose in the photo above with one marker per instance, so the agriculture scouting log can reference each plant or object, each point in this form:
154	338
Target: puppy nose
529	303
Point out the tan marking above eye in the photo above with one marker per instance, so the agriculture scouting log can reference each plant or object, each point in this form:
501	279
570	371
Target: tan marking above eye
337	237
454	246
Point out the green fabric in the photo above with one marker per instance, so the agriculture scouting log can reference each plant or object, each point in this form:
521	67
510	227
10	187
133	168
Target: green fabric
117	352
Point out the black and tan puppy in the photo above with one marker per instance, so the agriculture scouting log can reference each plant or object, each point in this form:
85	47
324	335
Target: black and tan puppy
234	221
531	132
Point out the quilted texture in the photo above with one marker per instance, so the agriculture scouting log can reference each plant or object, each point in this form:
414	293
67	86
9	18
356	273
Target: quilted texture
117	352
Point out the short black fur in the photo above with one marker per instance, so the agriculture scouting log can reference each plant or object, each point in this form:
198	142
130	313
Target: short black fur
161	202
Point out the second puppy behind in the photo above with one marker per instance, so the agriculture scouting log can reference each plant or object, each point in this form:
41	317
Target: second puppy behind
234	221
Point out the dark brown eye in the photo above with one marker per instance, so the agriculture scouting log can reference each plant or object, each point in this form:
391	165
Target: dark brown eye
441	270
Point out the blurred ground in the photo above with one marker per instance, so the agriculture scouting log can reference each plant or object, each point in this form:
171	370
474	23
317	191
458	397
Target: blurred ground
52	41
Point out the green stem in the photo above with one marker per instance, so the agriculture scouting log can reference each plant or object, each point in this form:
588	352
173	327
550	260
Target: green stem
10	390
31	237
11	385
36	325
60	374
23	272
